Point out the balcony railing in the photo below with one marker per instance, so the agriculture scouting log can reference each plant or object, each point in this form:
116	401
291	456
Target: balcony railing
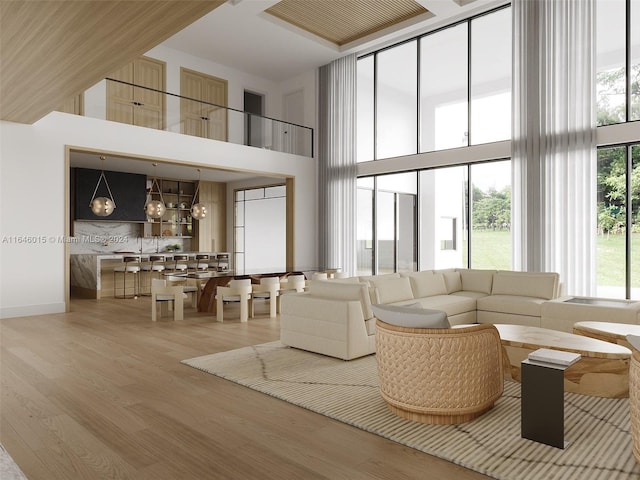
148	107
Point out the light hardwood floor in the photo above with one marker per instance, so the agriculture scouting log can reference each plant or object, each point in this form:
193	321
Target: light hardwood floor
99	393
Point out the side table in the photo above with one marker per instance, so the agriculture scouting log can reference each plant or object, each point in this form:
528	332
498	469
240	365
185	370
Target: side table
542	403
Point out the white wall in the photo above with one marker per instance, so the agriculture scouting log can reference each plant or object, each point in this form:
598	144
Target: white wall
33	195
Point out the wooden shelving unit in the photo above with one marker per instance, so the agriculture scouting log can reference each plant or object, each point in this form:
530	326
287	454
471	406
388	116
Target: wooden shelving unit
178	198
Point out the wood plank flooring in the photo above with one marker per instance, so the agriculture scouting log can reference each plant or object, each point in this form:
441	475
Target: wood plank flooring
99	393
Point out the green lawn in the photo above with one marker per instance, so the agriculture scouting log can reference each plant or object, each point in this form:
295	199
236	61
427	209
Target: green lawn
492	249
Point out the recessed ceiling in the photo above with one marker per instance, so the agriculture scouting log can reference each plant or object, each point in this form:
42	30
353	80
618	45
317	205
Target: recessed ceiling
343	22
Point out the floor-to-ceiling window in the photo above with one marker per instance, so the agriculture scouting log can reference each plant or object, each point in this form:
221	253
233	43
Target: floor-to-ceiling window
490	77
618	235
490	236
395	227
618	177
438	217
443	217
463	107
447	89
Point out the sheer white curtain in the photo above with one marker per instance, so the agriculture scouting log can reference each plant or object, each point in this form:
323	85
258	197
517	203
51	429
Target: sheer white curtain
337	169
554	147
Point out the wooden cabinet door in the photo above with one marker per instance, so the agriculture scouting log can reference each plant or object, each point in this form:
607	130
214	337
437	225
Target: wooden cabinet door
202	119
138	106
150	109
120	96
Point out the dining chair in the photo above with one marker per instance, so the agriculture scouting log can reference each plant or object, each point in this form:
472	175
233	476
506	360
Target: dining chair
166	295
236	291
267	289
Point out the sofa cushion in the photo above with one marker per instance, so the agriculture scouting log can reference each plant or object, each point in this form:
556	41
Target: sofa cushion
477	280
452	280
344	291
513	304
411	316
394	290
539	285
427	284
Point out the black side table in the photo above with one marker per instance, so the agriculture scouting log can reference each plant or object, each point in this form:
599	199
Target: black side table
542	403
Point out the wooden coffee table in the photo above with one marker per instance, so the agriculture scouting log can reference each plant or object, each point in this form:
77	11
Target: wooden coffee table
607	331
603	370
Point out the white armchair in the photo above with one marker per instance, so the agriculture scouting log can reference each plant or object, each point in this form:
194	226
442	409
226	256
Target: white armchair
237	291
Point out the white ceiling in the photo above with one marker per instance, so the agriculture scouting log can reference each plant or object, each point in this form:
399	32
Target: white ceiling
240	35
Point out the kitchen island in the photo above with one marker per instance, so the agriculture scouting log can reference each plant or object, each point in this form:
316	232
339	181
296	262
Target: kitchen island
91	274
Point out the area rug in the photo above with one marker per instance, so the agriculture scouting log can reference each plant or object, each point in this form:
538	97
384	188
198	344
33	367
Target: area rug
598	429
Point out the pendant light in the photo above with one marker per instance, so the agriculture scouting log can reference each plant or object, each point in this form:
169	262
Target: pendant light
102	206
155	208
198	210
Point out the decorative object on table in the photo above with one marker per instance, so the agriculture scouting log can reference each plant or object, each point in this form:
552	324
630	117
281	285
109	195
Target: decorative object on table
102	206
173	247
198	210
155	208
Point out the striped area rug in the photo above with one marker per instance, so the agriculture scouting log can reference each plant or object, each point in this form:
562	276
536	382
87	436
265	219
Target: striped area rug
598	429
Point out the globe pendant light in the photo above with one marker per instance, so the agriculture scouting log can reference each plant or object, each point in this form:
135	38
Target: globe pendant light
102	206
155	208
198	210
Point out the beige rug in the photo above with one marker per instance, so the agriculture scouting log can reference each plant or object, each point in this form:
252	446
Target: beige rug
598	428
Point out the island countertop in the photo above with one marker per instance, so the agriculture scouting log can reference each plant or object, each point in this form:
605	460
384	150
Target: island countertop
86	268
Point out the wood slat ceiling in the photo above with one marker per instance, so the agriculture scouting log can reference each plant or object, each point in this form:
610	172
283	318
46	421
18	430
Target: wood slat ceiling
342	22
53	50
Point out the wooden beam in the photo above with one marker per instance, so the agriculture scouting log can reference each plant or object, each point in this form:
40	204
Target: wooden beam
53	50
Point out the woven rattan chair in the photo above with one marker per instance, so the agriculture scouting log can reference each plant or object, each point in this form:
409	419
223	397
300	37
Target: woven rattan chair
634	394
439	376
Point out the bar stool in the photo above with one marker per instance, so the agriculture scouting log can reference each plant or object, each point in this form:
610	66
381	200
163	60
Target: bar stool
130	267
149	268
201	263
175	266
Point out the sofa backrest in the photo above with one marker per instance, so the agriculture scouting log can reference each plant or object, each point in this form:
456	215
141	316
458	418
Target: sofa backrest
344	291
526	284
426	283
452	279
476	280
391	289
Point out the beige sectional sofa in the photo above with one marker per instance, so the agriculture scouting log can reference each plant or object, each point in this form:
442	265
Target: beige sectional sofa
334	317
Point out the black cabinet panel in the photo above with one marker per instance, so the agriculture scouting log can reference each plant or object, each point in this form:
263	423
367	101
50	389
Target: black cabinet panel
128	189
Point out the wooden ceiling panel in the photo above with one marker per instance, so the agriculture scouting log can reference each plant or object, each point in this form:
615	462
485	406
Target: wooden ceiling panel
343	22
53	50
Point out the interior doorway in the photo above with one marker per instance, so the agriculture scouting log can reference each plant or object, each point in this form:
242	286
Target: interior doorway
254	121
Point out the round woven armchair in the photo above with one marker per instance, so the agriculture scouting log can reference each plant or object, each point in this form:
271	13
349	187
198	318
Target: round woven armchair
439	376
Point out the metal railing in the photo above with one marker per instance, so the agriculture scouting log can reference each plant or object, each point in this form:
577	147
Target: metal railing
148	107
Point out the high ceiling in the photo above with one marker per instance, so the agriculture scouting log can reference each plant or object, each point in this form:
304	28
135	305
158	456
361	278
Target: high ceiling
52	50
280	40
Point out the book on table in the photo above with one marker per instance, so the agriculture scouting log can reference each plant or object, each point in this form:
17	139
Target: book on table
557	357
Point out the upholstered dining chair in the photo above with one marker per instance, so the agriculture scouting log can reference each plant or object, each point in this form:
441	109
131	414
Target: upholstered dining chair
291	284
267	289
165	295
439	375
236	291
